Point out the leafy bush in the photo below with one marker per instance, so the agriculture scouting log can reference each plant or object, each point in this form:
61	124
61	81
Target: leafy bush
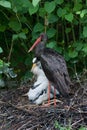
65	23
5	70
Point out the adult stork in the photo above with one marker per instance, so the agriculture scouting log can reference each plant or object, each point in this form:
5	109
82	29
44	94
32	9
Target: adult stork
53	64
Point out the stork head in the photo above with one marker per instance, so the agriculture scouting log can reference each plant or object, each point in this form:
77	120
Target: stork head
41	39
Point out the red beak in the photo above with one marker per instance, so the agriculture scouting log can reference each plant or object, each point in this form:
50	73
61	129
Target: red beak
35	43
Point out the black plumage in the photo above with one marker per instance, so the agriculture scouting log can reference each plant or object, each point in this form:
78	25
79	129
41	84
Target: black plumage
54	66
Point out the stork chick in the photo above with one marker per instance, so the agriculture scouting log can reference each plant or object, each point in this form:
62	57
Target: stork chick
39	91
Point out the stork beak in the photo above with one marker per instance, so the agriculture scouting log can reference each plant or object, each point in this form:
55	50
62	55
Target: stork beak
35	43
33	66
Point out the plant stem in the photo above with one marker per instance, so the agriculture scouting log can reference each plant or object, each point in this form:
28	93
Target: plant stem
63	35
57	32
9	56
6	41
45	23
79	29
73	33
67	37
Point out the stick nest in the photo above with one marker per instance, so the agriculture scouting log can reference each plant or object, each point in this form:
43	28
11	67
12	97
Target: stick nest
16	113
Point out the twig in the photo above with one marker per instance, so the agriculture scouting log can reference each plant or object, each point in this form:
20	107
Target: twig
77	122
27	124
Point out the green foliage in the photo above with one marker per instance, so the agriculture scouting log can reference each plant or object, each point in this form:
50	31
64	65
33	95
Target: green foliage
49	6
1	50
33	9
59	127
5	70
83	128
38	27
69	17
21	21
19	35
5	3
59	1
61	12
14	25
35	2
85	31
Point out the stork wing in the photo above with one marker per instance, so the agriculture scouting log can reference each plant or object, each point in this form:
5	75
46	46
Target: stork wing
56	71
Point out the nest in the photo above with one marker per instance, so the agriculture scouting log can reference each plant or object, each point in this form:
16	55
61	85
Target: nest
16	113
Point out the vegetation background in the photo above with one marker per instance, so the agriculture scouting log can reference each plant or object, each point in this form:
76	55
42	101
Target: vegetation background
21	21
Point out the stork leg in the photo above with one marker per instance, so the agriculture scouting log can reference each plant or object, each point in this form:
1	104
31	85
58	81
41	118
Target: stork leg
49	87
54	97
49	102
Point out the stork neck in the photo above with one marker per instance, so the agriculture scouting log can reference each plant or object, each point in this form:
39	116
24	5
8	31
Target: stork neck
40	73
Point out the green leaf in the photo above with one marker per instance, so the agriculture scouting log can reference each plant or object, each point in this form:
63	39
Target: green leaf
66	56
23	19
20	5
78	12
85	31
5	3
73	53
34	35
35	2
56	124
78	46
52	18
1	63
69	17
15	37
85	49
1	50
51	44
19	35
77	6
25	30
42	12
22	35
49	6
83	13
51	32
61	12
15	25
38	27
59	1
33	9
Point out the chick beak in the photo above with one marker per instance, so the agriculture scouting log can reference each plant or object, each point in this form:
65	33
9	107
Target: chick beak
33	66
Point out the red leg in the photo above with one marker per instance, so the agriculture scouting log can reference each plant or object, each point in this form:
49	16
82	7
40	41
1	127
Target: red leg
49	87
54	97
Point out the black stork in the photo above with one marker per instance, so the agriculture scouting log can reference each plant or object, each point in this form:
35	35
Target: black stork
53	64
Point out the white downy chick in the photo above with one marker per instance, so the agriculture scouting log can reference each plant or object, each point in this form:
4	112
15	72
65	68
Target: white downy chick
39	92
40	84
